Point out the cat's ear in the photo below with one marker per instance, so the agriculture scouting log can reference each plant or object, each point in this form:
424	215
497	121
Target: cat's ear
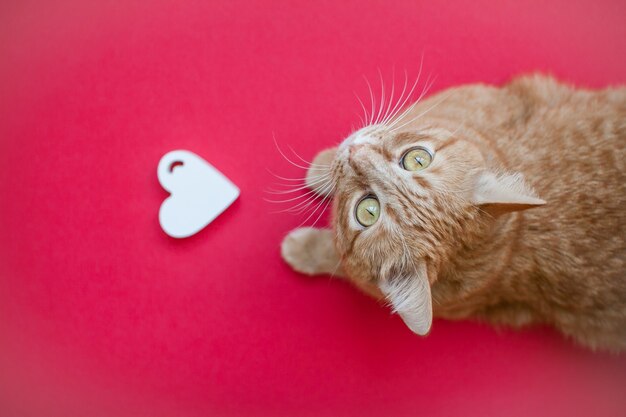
410	297
318	174
500	194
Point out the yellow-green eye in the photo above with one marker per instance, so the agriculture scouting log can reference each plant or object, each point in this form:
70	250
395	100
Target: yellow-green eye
416	159
367	211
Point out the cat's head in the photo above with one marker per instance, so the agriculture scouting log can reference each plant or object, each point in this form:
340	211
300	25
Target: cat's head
405	201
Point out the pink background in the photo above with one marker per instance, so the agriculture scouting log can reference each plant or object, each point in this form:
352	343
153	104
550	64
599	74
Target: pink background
101	314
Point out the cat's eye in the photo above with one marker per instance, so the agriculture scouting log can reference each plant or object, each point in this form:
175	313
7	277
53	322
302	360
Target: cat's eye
416	159
367	211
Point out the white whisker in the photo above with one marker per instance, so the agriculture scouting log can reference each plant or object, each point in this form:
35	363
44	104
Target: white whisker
365	115
408	96
285	156
410	108
308	193
290	188
289	200
310	164
300	207
462	124
293	190
382	97
393	88
305	204
335	269
296	179
317	207
422	113
321	212
369	87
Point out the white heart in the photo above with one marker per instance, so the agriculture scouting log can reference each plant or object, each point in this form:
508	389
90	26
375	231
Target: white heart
199	193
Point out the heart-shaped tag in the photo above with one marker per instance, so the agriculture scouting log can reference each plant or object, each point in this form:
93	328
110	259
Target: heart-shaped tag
199	193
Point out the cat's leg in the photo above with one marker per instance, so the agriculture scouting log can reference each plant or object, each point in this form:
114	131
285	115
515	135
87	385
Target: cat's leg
318	175
311	251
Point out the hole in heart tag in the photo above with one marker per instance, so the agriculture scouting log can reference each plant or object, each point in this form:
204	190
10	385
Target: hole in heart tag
175	164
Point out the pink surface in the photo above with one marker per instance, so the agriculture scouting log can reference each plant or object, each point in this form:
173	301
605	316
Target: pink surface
101	314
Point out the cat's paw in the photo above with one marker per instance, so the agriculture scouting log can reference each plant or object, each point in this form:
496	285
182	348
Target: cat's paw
310	251
317	176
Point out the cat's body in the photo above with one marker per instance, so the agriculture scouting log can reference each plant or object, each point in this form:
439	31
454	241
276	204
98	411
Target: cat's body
463	229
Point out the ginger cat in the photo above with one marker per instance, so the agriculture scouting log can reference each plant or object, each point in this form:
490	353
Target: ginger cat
501	204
